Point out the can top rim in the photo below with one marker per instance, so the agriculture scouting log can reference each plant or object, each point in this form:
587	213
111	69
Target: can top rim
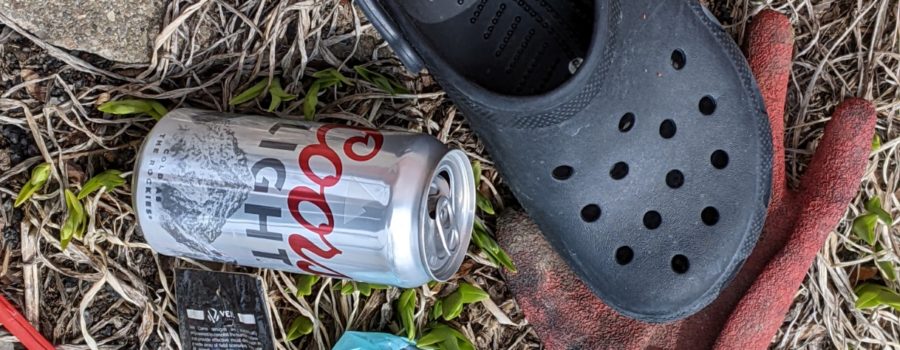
447	215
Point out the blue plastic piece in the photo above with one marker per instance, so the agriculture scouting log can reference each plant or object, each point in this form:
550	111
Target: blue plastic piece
372	341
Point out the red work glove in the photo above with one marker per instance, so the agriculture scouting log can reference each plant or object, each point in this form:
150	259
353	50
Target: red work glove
566	315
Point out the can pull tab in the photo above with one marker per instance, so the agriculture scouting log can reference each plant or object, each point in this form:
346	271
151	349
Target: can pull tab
444	223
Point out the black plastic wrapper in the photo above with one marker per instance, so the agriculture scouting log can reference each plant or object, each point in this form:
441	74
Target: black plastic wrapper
219	310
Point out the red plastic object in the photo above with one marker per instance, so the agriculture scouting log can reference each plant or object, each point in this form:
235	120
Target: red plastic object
15	323
566	315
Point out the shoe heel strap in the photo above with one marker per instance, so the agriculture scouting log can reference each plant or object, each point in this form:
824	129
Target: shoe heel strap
389	31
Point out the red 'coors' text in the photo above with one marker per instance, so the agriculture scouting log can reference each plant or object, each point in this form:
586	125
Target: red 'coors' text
313	256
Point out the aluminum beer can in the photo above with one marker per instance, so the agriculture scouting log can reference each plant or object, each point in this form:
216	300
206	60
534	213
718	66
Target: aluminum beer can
373	206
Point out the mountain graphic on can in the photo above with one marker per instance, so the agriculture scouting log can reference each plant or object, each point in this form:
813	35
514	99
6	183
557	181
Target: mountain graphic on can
374	206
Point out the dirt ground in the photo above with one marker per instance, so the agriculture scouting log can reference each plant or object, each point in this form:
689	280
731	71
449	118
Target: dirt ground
110	291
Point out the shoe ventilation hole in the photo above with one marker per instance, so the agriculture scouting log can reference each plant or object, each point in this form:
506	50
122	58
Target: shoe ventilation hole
590	213
710	216
652	220
719	159
619	171
680	264
626	122
674	179
563	172
667	129
707	105
678	59
624	255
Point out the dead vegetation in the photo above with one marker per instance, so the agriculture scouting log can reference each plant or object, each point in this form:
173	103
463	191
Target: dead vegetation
110	290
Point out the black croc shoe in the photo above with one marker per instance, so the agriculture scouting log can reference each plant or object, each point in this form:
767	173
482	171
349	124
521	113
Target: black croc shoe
631	131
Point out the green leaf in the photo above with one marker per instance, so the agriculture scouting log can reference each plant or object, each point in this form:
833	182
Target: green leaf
871	295
382	82
887	270
471	294
305	284
299	327
39	176
459	336
134	106
109	180
479	225
250	93
311	101
324	79
864	227
154	115
504	260
437	310
158	109
443	337
75	222
873	205
452	306
275	89
331	77
434	336
450	344
79	213
484	204
489	246
486	243
274	102
364	73
126	106
364	288
347	288
407	307
373	287
278	95
476	170
876	142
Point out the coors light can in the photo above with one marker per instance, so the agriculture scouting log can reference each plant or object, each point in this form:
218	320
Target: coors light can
373	206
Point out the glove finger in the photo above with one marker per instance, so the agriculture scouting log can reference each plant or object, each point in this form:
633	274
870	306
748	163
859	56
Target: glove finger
769	53
831	182
833	176
563	311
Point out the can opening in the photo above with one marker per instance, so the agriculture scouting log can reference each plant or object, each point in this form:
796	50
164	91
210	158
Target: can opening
440	210
434	192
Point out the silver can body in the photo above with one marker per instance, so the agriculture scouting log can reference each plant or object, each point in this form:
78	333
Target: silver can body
373	206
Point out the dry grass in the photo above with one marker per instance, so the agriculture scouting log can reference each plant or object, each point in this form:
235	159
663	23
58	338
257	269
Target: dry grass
111	291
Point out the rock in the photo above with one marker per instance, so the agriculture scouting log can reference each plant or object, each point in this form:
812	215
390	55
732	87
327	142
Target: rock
119	30
35	90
